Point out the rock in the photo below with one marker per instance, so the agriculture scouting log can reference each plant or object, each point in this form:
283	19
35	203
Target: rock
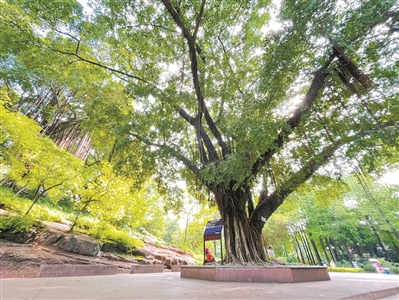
78	244
160	257
185	262
19	237
129	260
150	257
111	256
109	247
168	255
169	261
50	238
113	247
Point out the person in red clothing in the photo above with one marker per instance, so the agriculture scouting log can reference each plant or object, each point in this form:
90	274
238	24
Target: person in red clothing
208	256
378	267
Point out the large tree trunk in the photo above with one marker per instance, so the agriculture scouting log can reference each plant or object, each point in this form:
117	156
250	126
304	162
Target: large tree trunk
242	241
243	223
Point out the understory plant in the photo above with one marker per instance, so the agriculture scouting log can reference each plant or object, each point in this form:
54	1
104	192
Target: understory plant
17	224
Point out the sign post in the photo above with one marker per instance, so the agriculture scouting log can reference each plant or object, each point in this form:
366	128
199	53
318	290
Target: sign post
213	231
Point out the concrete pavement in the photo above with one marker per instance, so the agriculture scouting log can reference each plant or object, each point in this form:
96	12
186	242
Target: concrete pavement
169	285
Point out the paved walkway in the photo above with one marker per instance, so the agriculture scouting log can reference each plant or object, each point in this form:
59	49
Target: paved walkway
170	286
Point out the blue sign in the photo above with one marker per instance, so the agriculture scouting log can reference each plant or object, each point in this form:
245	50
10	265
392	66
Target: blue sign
213	230
213	233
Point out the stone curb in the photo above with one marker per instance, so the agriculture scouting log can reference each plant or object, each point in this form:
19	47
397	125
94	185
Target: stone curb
373	295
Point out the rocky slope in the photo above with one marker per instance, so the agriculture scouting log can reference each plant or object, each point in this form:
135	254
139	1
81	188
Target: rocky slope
22	255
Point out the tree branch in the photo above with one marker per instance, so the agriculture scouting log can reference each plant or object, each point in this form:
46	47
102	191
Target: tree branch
173	152
198	20
269	204
213	156
103	66
228	62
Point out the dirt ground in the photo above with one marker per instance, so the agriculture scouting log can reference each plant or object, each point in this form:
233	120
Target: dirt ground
24	260
20	260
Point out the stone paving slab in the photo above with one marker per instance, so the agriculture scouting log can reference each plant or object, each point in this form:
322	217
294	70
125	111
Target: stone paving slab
169	285
394	297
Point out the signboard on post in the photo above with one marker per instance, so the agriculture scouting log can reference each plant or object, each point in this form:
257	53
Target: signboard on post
213	231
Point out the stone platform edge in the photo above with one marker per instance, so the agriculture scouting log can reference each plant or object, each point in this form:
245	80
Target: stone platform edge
270	274
175	268
62	270
139	269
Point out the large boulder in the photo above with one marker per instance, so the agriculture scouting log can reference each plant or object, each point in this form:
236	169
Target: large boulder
79	244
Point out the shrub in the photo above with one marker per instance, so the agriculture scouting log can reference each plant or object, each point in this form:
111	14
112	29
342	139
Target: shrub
185	248
369	268
394	270
384	263
344	264
86	225
159	244
17	223
127	241
45	201
139	258
347	270
291	259
66	204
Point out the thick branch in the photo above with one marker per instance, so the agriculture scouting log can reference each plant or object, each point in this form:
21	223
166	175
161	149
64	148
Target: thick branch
172	11
269	204
213	156
216	133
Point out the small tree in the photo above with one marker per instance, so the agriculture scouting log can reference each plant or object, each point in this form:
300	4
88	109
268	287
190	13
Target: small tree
34	161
